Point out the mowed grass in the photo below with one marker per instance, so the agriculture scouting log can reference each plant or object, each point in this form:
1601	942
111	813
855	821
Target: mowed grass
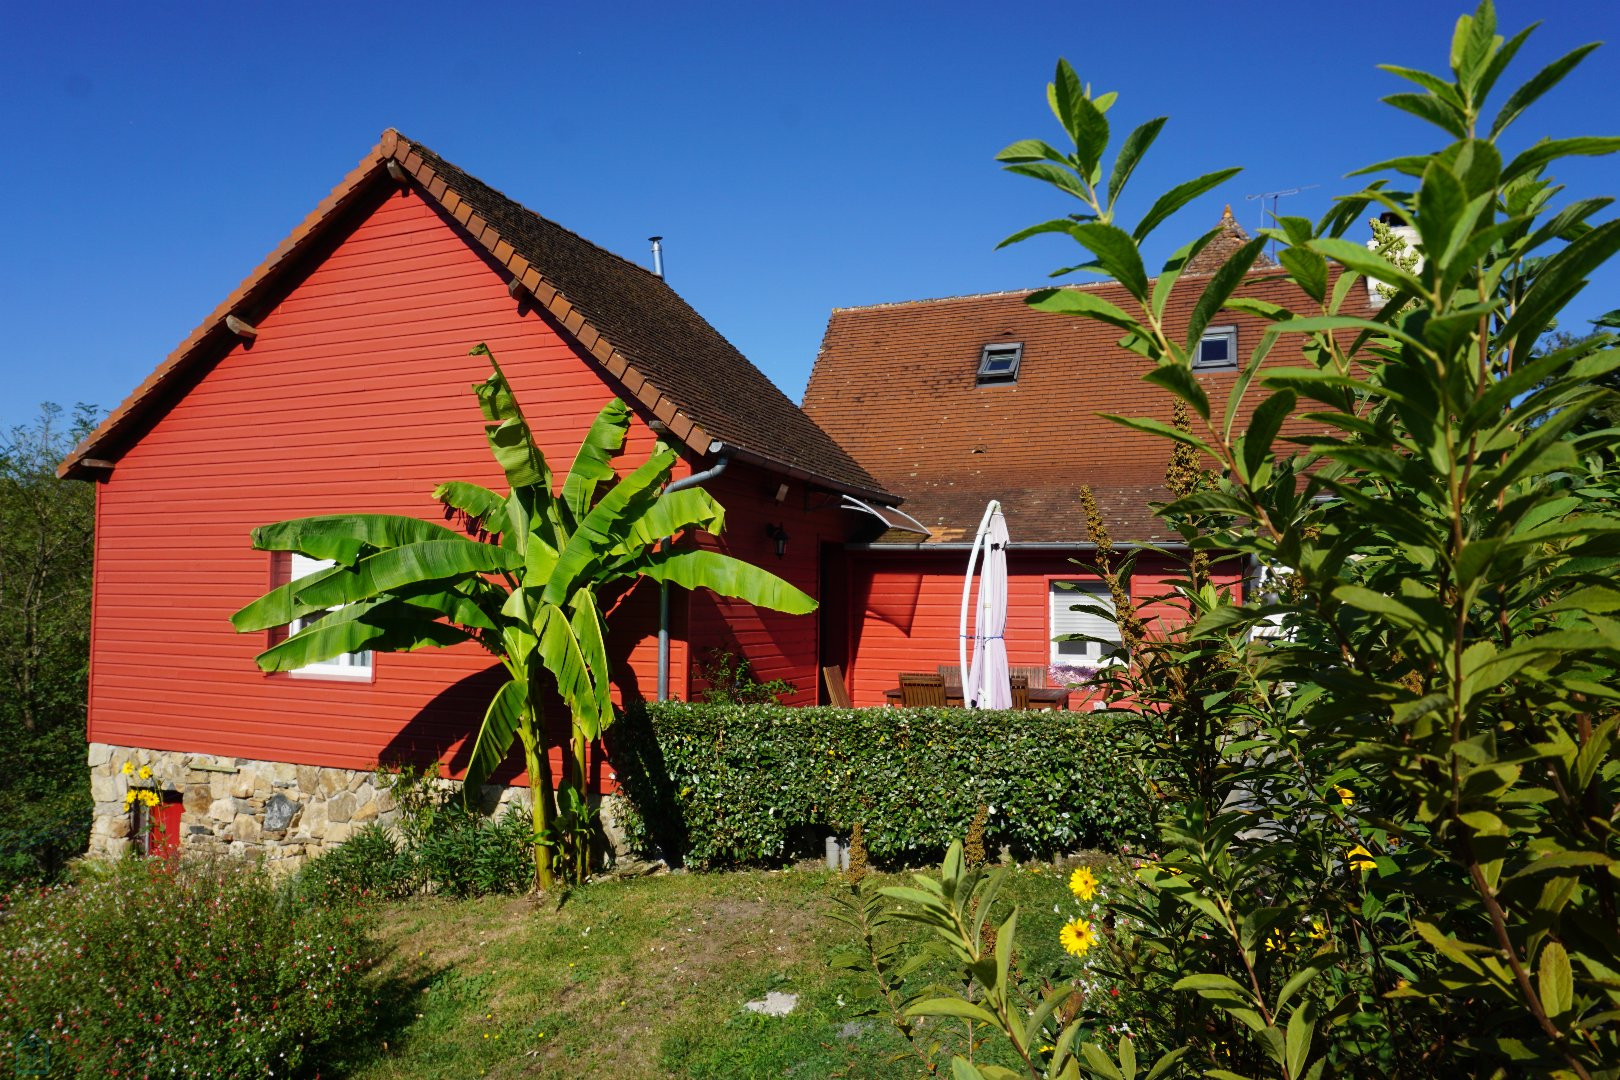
648	977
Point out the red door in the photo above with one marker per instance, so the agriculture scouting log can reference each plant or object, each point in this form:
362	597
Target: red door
163	830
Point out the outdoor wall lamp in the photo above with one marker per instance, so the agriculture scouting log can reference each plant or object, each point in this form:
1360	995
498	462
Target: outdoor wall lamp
779	534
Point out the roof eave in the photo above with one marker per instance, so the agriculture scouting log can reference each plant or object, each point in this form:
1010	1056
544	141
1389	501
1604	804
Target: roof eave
105	441
765	461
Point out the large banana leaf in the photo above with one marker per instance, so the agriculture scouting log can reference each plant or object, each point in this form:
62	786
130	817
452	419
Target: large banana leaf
383	626
278	606
673	512
453	605
560	653
594	461
510	439
603	528
343	537
517	632
494	741
474	500
386	571
586	622
728	577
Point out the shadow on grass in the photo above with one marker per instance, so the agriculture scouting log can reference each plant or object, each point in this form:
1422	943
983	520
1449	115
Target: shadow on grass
397	999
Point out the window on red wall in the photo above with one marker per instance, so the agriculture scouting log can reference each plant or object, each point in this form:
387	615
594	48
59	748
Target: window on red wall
1063	597
290	566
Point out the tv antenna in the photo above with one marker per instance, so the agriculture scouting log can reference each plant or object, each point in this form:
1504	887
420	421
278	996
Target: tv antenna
1274	196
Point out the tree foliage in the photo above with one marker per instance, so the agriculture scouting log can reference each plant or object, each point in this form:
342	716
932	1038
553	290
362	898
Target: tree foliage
1394	849
46	541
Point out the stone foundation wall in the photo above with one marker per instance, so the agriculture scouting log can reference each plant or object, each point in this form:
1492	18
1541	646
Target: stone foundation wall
273	810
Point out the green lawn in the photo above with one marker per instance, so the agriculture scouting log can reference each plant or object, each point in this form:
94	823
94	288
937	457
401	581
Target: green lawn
647	978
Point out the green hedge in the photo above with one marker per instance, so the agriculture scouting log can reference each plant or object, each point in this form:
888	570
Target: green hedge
720	785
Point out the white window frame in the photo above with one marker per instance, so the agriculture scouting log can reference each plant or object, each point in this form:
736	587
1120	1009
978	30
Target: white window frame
1216	333
1061	620
350	667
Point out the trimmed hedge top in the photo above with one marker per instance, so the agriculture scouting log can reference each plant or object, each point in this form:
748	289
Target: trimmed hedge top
732	784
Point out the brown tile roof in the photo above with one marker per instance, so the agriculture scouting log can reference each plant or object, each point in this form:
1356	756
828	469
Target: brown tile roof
665	355
896	385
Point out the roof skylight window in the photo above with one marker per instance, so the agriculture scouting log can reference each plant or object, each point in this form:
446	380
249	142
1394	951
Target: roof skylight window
999	363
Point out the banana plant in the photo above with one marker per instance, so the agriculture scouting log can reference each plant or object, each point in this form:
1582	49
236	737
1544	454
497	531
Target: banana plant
526	588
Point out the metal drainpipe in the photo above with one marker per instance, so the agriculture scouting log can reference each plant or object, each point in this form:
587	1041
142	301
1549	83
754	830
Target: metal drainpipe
694	480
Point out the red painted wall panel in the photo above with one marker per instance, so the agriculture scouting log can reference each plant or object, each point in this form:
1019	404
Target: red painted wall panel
776	645
355	396
905	612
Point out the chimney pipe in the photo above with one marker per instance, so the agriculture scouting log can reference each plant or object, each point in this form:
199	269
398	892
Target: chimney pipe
658	255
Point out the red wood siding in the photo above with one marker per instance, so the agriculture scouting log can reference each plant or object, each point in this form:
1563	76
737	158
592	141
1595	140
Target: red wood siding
776	645
354	397
905	612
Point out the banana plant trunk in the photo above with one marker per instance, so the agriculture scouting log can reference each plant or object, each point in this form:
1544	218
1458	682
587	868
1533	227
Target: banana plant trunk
581	832
538	762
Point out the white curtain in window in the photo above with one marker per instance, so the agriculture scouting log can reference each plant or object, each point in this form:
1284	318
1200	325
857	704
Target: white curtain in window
1065	620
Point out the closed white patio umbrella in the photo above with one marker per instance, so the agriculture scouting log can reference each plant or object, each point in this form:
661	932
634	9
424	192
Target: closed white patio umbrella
985	684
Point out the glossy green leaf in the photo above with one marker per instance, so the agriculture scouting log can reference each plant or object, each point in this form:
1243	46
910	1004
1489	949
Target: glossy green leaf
1181	382
507	431
495	735
1176	198
593	462
1079	301
395	568
1538	84
342	537
726	576
1130	155
1117	254
474	500
598	533
1222	284
1554	980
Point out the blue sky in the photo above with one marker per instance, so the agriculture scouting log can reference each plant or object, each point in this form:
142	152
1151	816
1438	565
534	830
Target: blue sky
796	158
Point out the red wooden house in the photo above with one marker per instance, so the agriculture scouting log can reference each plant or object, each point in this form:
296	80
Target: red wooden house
336	379
953	402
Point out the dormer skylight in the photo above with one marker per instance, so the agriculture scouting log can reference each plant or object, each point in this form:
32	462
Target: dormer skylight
998	363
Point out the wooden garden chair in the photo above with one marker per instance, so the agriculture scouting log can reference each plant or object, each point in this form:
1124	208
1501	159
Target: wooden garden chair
1020	691
837	692
921	689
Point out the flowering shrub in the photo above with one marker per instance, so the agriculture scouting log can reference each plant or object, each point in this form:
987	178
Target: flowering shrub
729	784
154	968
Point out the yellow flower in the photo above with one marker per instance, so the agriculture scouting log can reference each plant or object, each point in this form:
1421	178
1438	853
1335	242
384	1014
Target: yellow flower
145	772
1083	883
1077	937
1318	929
129	768
1275	942
1361	858
1346	796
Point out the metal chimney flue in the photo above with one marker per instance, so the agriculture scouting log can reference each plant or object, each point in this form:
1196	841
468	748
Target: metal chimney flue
657	254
